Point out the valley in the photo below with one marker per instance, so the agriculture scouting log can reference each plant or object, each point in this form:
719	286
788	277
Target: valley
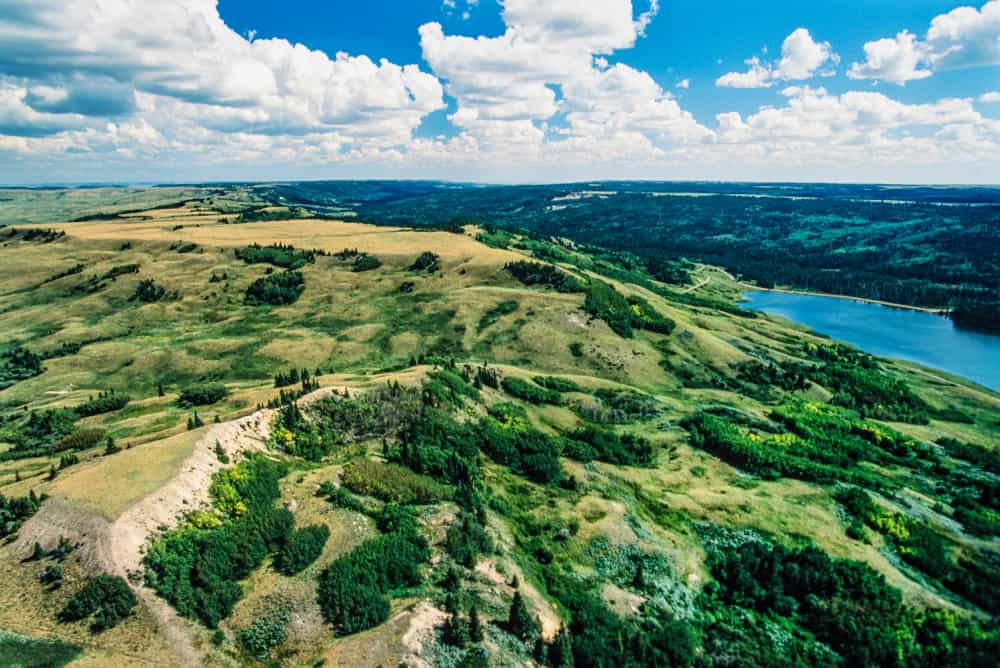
300	438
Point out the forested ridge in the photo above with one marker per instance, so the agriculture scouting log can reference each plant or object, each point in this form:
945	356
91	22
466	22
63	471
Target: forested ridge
936	247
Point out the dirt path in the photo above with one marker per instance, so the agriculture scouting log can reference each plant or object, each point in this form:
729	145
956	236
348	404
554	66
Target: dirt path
691	288
119	547
122	547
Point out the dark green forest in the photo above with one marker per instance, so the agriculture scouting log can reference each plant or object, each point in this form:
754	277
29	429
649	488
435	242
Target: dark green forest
937	247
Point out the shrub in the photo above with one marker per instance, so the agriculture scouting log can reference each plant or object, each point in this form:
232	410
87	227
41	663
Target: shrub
202	394
426	261
279	255
646	317
557	384
366	262
858	383
17	363
278	289
298	436
106	402
607	446
36	434
448	387
510	441
986	458
353	589
536	273
266	632
302	548
604	302
82	439
197	569
340	497
148	291
22	652
522	389
823	594
502	309
617	406
106	597
15	511
392	483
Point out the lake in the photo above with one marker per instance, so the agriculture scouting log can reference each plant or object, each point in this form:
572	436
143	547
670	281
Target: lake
924	338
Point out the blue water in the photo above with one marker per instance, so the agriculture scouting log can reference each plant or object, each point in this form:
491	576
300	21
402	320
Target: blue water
924	338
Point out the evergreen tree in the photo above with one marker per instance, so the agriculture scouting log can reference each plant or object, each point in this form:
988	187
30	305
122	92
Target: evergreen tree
110	448
220	453
475	625
519	620
561	652
540	652
639	581
456	631
452	581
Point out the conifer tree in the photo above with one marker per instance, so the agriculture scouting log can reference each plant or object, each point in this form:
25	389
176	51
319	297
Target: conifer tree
475	625
519	620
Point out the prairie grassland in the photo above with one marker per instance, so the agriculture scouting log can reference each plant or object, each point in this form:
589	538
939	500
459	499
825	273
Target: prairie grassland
328	235
109	485
360	330
47	205
29	608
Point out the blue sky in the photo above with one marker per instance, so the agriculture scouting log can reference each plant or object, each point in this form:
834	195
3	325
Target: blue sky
685	41
191	90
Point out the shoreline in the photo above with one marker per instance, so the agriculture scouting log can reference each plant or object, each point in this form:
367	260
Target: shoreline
866	300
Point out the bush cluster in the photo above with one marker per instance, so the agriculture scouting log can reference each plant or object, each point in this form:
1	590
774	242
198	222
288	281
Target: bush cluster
107	598
148	291
302	547
105	402
511	441
353	590
527	391
547	275
279	255
202	394
427	262
392	483
18	363
197	569
492	315
279	289
295	434
622	449
557	384
365	262
15	511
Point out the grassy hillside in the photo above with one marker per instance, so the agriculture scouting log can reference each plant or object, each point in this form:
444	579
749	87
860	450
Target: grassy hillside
606	454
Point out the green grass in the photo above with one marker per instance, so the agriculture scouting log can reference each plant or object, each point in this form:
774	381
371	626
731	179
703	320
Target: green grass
354	323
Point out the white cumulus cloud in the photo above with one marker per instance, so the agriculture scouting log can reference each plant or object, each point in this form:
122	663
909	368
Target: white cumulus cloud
546	82
183	55
802	57
963	37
